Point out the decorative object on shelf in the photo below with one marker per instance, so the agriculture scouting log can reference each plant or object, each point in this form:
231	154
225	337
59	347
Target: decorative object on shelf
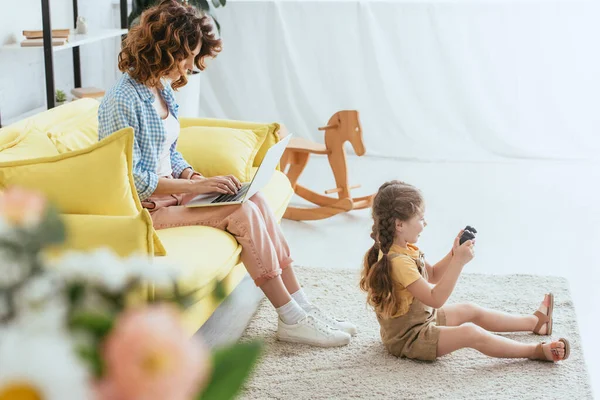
342	126
61	97
92	92
76	318
82	26
139	6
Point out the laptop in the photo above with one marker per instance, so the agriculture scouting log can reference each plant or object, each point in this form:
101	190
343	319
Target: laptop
261	178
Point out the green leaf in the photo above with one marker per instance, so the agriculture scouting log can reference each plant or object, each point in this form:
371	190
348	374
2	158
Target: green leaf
116	301
91	355
217	24
183	300
231	366
133	17
219	292
138	7
75	293
51	229
99	324
223	2
203	5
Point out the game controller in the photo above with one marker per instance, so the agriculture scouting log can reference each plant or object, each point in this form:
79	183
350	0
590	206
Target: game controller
468	234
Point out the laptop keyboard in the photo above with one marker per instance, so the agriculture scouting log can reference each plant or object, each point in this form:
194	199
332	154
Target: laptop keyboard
224	198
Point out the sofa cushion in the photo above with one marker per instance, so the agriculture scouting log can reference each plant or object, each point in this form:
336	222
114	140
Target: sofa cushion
59	115
10	135
214	151
27	145
203	254
96	180
47	119
125	235
271	138
76	133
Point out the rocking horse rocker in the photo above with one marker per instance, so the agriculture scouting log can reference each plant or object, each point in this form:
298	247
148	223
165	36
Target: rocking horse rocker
342	126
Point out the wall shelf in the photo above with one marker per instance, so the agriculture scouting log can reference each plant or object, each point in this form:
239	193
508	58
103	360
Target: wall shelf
77	40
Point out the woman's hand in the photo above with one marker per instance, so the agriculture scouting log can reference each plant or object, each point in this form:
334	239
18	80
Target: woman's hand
217	184
463	252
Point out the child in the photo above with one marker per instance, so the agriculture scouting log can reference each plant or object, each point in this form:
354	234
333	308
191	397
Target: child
409	295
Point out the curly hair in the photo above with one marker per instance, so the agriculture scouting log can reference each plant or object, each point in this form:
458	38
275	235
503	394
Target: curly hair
395	200
167	34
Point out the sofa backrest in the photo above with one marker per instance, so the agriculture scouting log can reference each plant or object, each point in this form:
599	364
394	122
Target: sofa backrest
69	127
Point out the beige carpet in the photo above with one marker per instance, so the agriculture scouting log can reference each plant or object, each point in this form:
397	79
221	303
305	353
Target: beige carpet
364	370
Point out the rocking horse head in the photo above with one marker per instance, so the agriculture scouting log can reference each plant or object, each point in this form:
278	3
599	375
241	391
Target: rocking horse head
345	126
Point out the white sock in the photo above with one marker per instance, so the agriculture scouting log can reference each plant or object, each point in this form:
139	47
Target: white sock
291	312
301	299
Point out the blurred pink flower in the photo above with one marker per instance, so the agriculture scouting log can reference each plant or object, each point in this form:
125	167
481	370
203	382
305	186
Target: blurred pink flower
149	356
21	206
106	390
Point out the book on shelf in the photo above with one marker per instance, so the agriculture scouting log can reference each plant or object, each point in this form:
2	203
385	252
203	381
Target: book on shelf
40	42
56	33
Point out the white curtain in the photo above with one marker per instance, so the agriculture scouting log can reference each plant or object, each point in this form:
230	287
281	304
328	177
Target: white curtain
432	80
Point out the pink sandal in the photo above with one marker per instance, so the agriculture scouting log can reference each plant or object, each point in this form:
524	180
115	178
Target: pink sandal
545	318
539	351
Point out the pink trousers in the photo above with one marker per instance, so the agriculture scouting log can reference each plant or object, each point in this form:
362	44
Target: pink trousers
265	251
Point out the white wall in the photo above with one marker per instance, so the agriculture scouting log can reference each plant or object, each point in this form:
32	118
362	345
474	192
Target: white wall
432	79
22	83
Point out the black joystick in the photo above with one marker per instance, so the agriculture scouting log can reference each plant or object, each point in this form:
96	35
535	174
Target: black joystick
468	234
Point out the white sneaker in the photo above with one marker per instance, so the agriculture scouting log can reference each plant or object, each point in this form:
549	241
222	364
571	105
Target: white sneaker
343	326
310	330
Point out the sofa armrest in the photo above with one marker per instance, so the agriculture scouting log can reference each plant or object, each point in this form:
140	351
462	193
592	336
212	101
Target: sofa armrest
271	138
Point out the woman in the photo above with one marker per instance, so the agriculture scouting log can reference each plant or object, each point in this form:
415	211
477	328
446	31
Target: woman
170	40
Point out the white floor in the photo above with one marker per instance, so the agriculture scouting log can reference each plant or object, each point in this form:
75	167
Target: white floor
532	217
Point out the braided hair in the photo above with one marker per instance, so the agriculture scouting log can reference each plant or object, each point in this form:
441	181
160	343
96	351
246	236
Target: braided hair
395	200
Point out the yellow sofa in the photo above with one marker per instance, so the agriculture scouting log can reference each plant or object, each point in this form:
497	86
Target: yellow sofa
206	255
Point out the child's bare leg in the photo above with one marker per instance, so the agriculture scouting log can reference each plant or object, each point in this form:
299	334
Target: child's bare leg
491	320
472	336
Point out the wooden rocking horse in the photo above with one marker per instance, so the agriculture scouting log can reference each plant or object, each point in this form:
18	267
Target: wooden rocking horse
342	126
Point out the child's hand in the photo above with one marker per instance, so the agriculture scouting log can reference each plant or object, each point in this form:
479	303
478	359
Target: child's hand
455	241
465	252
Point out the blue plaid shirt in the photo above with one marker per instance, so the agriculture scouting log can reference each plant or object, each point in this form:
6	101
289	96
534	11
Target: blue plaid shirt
129	103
